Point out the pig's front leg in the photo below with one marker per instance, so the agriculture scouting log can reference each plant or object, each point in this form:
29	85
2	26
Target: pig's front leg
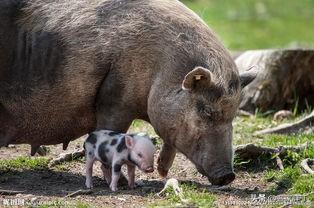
131	176
89	171
107	173
165	159
116	171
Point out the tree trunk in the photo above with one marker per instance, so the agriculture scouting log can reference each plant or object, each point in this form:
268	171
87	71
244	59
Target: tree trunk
285	79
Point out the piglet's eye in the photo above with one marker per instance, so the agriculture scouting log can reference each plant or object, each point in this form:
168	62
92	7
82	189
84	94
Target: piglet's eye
140	155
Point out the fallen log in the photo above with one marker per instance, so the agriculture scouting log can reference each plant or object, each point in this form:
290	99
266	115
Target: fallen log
285	79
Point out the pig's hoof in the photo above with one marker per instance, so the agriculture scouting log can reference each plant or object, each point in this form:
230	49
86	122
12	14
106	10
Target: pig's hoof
162	172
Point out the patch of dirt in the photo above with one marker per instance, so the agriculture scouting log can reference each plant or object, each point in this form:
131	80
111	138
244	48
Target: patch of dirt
55	184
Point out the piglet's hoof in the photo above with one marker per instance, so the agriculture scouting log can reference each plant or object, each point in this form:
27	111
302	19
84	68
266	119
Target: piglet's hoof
113	188
88	185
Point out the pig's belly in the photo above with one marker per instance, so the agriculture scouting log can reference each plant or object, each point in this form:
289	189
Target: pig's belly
54	126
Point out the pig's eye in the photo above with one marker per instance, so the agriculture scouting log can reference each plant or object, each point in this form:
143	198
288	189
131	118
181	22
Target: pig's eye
140	155
208	111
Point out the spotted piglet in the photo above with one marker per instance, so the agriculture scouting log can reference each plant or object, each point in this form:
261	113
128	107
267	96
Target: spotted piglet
113	150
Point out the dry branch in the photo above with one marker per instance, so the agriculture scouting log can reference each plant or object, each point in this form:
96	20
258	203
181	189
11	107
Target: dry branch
66	157
279	163
284	79
244	113
290	128
80	192
305	164
9	192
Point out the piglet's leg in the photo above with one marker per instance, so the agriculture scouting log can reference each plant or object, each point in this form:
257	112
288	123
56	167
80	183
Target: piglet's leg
116	171
131	176
107	173
89	171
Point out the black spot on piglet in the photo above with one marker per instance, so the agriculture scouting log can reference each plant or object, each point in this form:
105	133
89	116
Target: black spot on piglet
102	151
117	168
92	138
113	142
113	133
121	146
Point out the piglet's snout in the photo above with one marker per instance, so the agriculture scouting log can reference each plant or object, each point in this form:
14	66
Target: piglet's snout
149	170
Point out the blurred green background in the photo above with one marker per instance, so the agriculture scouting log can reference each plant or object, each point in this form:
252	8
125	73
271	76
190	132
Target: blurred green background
255	24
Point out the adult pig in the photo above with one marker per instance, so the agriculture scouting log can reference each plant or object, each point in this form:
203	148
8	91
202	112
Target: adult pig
68	67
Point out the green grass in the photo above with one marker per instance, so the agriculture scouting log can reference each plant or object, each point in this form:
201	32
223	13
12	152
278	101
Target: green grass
23	163
304	184
252	24
82	205
245	127
275	140
142	126
291	181
192	196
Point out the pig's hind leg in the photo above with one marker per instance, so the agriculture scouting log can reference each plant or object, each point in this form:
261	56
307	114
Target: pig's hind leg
131	176
107	173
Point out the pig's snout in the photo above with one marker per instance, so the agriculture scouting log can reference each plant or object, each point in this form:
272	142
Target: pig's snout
223	179
149	170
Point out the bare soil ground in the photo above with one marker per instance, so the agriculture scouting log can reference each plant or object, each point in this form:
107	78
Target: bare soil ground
52	185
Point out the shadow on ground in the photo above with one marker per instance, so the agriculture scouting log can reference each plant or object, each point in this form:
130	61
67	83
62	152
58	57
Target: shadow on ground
59	184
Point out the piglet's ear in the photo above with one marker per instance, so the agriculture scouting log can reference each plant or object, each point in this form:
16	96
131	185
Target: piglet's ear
198	78
129	141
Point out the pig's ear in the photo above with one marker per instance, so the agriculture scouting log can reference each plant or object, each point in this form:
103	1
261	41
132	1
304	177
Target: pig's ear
129	141
197	78
247	76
